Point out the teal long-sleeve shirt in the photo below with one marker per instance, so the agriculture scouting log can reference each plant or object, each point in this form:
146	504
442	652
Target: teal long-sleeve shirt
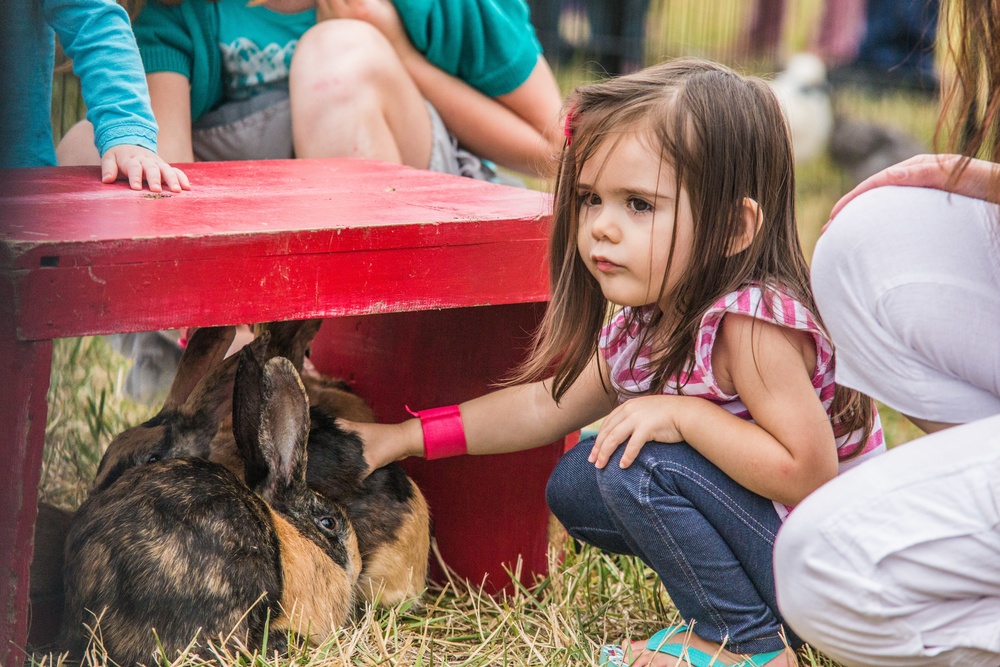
97	36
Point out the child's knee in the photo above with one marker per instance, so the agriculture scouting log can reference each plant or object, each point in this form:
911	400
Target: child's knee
565	481
342	54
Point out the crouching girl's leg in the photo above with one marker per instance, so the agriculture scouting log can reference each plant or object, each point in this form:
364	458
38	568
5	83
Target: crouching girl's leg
709	539
897	562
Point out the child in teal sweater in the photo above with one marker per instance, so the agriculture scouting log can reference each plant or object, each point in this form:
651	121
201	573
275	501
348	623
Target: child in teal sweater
370	79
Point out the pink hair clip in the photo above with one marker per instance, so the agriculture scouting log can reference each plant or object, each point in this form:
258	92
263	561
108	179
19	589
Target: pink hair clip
568	127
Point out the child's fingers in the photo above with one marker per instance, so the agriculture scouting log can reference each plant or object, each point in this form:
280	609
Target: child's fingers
635	444
172	177
182	177
109	168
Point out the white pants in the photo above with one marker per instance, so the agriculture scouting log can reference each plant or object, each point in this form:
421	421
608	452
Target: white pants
897	562
907	281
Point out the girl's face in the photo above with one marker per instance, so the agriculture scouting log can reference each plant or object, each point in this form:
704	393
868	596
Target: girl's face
627	197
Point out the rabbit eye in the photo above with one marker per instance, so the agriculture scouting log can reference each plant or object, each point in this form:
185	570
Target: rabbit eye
153	458
326	523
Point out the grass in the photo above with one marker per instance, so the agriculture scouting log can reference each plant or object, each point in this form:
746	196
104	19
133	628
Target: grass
588	598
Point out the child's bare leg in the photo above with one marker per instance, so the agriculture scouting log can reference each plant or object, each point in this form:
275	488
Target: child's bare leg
77	146
352	97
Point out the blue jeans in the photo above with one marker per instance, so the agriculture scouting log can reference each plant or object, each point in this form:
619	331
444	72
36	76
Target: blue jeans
709	539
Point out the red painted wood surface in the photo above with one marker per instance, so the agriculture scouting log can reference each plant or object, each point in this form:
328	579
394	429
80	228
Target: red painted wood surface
258	241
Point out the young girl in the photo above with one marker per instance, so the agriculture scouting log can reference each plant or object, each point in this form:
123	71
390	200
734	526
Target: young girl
681	314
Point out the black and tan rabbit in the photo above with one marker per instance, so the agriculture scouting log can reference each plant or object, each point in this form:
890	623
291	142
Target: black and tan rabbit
182	547
389	513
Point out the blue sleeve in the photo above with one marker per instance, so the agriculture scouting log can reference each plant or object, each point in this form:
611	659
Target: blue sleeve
97	36
489	44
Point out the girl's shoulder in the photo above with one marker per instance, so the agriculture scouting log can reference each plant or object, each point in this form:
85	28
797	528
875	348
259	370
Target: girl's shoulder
768	303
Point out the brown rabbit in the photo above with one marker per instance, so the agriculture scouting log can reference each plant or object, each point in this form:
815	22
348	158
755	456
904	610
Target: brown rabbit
389	513
184	548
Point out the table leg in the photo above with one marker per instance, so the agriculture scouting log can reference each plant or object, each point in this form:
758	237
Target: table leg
487	510
24	382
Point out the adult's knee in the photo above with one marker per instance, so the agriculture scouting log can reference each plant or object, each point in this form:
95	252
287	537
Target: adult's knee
817	596
800	600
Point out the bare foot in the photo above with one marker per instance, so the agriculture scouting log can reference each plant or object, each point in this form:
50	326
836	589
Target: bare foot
647	658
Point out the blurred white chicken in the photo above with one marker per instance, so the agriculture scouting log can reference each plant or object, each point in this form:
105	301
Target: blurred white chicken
804	94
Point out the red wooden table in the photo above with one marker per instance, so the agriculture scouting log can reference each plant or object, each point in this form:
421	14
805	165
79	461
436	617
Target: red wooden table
434	283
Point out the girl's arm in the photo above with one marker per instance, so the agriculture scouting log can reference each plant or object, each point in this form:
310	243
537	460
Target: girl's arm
518	130
508	420
788	453
170	95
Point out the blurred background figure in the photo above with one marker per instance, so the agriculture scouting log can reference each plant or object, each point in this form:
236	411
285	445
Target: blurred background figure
611	34
897	51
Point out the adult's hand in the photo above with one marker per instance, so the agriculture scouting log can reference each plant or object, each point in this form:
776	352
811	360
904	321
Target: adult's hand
137	164
978	180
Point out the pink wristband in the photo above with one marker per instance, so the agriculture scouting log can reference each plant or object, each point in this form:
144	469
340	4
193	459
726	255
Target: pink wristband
443	432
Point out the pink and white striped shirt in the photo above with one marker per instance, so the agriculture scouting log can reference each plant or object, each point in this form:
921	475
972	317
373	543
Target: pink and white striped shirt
619	347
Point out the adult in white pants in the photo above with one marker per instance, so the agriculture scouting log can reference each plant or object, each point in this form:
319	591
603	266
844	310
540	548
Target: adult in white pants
897	562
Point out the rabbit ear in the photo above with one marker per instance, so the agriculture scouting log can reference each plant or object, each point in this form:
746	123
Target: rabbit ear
270	424
212	396
205	350
284	426
248	400
290	339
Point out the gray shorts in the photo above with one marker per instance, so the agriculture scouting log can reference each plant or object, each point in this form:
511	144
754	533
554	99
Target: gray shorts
260	128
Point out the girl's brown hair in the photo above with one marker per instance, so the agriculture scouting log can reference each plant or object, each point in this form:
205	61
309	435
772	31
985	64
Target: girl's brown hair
726	139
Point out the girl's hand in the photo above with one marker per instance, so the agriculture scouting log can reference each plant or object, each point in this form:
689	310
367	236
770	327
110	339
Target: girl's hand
932	171
385	443
638	420
137	164
380	13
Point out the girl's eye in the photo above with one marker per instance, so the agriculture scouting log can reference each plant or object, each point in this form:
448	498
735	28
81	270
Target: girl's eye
589	199
639	205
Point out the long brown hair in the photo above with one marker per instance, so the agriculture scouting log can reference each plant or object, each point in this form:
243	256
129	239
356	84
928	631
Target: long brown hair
726	139
971	106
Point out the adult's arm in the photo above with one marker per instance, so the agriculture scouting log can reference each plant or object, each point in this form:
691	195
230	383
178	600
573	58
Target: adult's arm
978	180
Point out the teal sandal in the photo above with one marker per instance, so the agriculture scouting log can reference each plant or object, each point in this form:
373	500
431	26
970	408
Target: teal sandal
614	656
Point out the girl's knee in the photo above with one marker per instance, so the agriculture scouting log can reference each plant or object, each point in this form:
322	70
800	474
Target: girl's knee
567	479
